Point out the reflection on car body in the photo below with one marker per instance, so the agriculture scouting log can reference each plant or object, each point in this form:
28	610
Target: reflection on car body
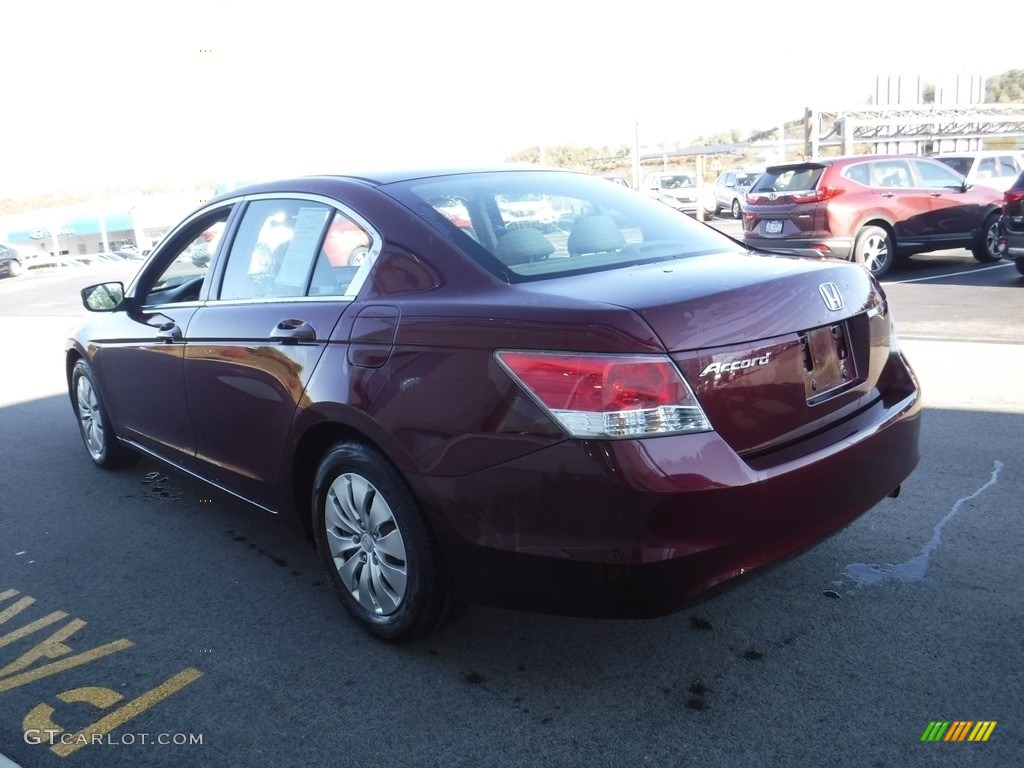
606	415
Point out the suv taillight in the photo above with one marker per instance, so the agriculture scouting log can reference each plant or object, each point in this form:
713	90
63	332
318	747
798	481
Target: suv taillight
1013	196
817	195
608	395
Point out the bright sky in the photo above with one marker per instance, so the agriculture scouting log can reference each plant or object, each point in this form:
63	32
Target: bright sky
108	92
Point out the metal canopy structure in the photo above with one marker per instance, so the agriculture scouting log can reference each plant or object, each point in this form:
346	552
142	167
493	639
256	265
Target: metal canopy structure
919	129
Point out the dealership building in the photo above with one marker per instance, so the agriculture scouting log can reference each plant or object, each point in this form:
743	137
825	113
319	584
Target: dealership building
78	230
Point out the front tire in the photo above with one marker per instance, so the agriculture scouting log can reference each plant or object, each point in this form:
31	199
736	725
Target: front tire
94	422
14	268
986	250
874	250
375	547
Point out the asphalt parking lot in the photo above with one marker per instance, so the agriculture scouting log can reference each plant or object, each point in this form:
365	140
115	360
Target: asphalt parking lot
146	620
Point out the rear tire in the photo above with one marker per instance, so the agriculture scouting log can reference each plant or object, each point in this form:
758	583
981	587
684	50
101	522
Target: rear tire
737	209
375	547
874	250
93	421
1019	263
986	250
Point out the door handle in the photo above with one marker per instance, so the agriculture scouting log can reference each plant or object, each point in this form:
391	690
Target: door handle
169	333
293	331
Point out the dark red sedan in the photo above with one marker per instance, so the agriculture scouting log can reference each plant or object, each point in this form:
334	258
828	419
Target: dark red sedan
607	413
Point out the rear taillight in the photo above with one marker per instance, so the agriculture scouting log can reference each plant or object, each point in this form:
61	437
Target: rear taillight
608	395
816	195
1013	196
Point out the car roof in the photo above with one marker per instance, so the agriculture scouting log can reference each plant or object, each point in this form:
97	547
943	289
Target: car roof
977	153
374	178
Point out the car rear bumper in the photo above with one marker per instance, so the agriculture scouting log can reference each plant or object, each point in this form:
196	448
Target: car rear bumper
642	528
840	247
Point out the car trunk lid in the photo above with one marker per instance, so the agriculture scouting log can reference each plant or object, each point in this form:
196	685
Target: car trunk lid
774	347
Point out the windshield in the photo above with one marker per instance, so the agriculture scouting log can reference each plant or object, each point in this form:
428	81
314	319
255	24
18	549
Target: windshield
961	165
530	225
677	182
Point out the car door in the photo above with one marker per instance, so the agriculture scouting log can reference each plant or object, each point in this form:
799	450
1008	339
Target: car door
955	215
251	349
904	203
140	351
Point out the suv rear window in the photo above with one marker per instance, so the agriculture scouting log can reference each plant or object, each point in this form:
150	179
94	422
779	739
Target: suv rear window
789	178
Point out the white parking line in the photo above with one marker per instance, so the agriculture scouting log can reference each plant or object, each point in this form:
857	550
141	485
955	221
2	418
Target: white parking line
951	274
6	763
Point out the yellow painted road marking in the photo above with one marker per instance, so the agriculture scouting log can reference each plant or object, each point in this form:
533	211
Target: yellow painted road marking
53	648
41	716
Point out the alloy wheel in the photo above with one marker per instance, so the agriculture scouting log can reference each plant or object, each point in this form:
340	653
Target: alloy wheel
90	418
366	544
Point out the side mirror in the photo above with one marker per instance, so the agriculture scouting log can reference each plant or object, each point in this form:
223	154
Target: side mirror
104	297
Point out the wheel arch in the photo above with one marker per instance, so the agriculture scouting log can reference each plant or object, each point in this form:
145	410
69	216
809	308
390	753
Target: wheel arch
311	447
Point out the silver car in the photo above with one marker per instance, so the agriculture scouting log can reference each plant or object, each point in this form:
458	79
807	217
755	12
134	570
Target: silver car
731	189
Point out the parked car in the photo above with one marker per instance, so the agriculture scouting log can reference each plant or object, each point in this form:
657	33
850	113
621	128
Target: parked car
680	190
31	259
991	168
870	209
1011	224
609	422
731	190
10	261
615	180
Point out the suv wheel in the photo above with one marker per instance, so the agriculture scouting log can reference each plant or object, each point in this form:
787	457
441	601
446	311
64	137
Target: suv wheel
987	247
874	250
1019	263
14	267
375	546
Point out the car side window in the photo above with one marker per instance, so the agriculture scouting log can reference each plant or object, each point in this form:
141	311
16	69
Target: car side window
1007	168
987	168
346	246
186	264
274	250
858	173
891	173
935	175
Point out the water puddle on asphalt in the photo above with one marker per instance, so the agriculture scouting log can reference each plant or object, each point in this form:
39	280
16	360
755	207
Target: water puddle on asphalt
869	574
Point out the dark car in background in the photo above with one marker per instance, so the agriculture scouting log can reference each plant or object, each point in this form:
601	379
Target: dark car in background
1011	224
10	261
870	209
610	417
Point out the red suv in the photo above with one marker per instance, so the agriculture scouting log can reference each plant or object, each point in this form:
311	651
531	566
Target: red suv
870	209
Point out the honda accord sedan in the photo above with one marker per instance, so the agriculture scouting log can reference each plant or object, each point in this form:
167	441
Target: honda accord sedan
611	415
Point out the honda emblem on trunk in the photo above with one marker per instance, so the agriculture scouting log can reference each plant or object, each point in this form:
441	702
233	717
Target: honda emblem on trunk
831	296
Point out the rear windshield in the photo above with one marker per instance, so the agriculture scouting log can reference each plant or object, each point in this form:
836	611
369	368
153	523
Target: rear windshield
532	225
789	178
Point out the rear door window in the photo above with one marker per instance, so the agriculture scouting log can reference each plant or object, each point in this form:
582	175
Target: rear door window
274	250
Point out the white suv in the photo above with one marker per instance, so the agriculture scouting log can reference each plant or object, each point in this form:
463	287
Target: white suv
994	168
